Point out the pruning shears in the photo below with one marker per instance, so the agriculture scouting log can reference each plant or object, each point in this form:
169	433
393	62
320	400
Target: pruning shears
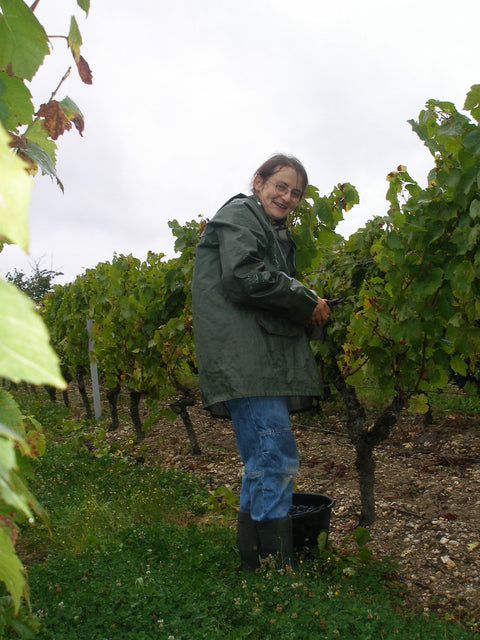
335	301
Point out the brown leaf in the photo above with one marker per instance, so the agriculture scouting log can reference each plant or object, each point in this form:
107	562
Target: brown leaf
79	124
16	142
449	516
31	166
55	120
84	70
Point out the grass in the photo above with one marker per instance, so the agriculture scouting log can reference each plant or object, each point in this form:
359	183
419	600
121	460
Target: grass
91	500
134	551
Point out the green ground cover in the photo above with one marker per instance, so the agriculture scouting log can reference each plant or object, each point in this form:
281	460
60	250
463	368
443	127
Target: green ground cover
135	551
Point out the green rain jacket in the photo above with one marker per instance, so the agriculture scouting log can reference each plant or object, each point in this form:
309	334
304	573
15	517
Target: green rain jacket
250	313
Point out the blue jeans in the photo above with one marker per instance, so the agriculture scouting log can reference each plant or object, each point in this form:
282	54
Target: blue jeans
268	451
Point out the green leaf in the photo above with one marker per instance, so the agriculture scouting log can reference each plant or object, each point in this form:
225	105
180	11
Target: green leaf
73	113
37	134
43	160
11	569
439	378
11	425
17	100
428	282
472	101
418	404
458	364
15	186
475	209
25	351
74	38
464	275
472	142
24	41
394	240
362	536
8	459
322	540
327	238
350	195
85	5
13	491
168	414
322	211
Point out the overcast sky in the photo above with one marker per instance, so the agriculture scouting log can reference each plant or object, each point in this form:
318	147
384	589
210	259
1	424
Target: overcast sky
190	97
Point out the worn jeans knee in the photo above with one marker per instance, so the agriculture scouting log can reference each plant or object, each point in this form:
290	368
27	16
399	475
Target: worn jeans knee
269	453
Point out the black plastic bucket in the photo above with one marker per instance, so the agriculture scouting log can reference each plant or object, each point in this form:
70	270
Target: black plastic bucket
308	524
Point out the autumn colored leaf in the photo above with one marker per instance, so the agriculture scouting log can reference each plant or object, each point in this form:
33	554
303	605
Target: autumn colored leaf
73	113
36	443
84	70
449	516
31	167
55	121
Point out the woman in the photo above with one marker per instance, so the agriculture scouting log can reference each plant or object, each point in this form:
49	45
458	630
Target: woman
255	364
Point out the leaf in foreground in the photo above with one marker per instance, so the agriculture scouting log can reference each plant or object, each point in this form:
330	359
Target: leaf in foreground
15	187
11	569
25	350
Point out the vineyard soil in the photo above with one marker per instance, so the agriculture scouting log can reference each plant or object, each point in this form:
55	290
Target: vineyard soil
427	491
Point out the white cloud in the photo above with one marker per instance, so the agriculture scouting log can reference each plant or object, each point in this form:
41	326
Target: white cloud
190	97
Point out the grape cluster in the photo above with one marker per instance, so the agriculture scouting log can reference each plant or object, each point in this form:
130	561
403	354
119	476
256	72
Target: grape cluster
299	509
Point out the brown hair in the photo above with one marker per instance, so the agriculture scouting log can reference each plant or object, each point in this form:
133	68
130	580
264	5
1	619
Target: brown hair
275	163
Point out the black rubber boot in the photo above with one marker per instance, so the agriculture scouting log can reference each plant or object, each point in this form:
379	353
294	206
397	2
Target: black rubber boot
248	542
276	540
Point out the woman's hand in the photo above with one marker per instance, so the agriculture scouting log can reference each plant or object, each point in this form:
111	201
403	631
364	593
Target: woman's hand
321	313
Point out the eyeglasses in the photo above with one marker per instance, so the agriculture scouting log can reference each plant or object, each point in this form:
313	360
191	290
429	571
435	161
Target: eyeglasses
282	189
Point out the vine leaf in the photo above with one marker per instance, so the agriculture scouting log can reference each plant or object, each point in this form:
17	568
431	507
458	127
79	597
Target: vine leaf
24	41
85	5
75	42
472	101
15	102
39	158
37	134
418	404
58	117
55	120
15	186
73	113
74	39
84	70
11	571
25	350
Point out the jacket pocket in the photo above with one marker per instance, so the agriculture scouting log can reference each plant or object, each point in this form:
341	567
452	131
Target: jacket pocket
278	326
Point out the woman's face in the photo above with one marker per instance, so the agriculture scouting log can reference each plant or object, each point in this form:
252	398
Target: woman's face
280	193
